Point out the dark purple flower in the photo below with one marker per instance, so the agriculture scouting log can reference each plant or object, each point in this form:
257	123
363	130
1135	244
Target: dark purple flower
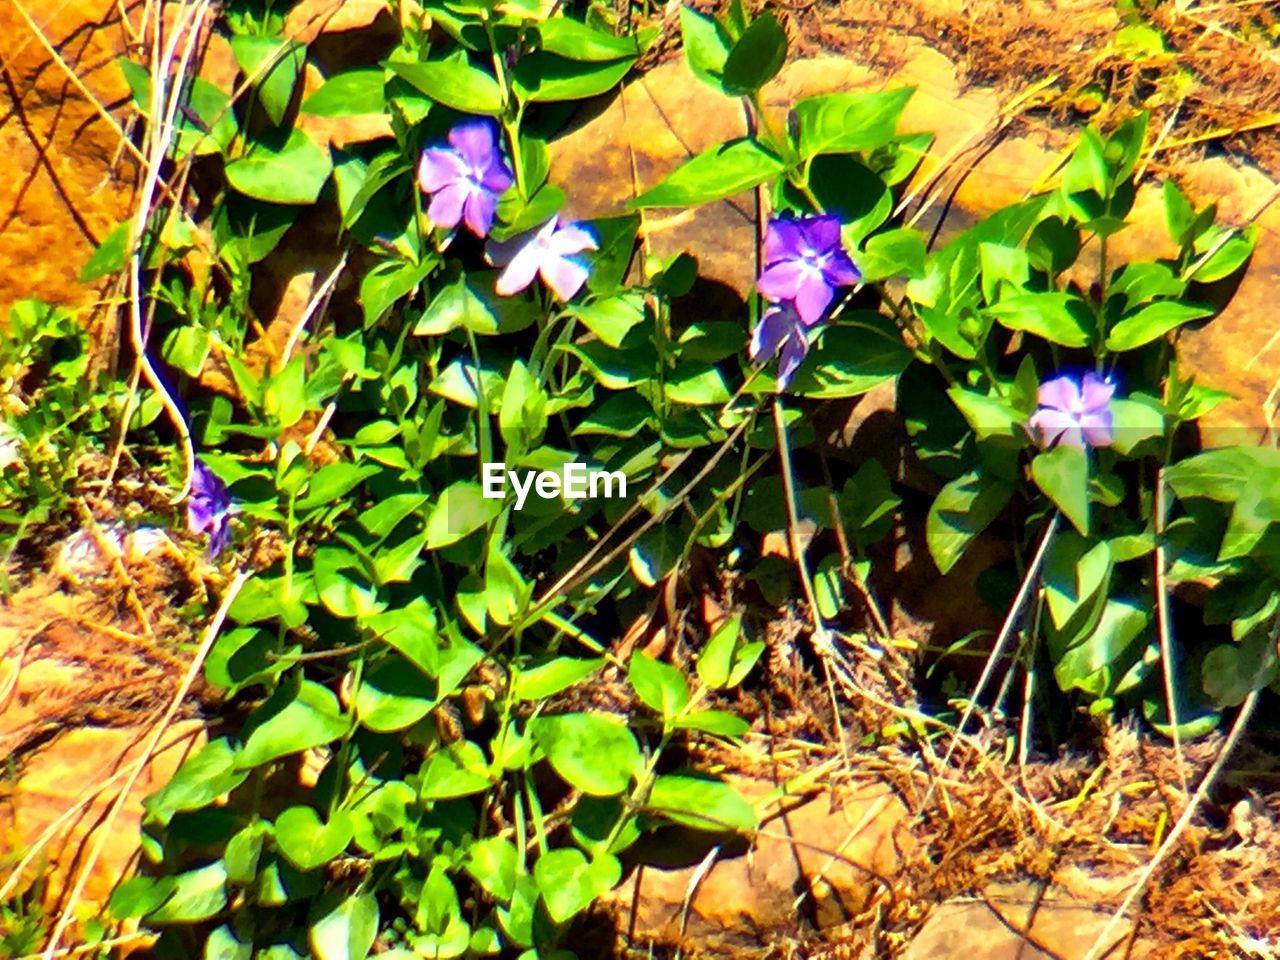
1074	412
552	252
805	262
209	508
780	329
466	178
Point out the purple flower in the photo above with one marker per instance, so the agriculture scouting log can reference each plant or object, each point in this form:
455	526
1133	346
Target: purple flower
209	508
1074	412
780	329
466	178
552	252
805	262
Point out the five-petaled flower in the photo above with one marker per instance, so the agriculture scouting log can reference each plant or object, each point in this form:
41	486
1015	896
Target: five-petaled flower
805	262
552	252
466	178
209	508
1074	412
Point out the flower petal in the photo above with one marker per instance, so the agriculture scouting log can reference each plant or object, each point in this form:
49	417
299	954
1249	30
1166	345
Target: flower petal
1052	425
521	268
446	204
784	239
1099	428
478	211
794	351
570	238
497	177
564	275
1095	393
475	142
774	327
439	167
812	298
823	233
782	280
839	270
1060	393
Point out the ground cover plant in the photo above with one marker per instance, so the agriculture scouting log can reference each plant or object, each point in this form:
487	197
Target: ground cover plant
413	755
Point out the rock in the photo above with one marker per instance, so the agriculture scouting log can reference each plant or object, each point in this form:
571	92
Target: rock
70	179
840	847
1013	922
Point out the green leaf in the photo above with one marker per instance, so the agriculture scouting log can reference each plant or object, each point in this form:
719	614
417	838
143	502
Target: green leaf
493	863
849	122
458	770
1179	214
1228	258
198	895
309	843
569	883
1094	664
522	416
351	93
706	46
461	510
989	416
332	482
546	78
1076	576
347	930
1063	475
1231	671
714	174
469	304
110	254
276	63
892	253
455	83
1224	475
728	657
552	677
281	167
851	360
660	686
591	751
1057	317
621	415
294	718
698	385
611	318
757	56
701	804
187	348
1136	419
962	510
1087	169
716	722
1152	322
243	852
577	41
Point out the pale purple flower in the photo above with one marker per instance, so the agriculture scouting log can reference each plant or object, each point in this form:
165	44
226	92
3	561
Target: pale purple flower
209	508
1074	412
552	253
466	178
805	262
780	329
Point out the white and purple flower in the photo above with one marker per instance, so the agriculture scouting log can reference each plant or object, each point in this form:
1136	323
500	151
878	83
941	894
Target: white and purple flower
465	178
209	508
1074	411
553	252
805	264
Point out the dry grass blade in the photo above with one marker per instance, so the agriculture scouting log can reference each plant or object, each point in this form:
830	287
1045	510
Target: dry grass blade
67	914
1237	729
